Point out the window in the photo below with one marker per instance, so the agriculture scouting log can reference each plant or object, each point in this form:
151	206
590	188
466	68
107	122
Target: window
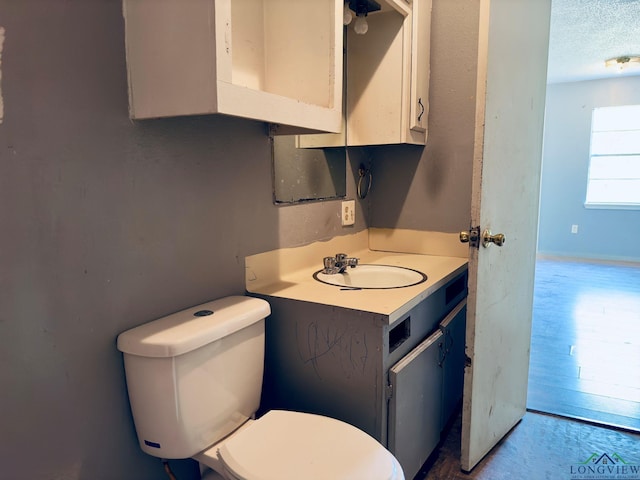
614	164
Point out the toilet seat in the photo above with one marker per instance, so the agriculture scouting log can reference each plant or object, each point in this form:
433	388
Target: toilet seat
285	445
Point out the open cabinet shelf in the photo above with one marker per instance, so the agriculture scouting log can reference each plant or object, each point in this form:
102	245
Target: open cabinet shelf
271	60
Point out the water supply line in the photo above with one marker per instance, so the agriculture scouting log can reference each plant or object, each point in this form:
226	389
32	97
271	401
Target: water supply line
167	469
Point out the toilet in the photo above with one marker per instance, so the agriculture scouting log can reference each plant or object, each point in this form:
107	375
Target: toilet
194	380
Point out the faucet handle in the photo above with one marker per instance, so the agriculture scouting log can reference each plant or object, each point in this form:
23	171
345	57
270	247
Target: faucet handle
340	256
329	262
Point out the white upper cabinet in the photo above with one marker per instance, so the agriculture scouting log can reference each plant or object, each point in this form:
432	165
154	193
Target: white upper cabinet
388	75
387	78
279	61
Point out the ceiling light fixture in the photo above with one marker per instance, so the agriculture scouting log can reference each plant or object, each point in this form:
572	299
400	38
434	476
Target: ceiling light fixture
623	63
361	8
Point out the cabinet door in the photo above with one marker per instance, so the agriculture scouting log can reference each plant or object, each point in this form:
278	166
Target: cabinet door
420	54
414	408
453	329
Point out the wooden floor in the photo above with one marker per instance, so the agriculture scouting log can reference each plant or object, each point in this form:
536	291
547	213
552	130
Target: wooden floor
542	447
585	342
585	364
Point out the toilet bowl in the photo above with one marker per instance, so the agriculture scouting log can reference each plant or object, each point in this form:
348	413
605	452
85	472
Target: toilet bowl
287	445
194	381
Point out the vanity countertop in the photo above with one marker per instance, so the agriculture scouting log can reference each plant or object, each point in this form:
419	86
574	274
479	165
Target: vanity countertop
299	284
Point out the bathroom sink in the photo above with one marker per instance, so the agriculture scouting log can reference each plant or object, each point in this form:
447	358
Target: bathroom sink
373	276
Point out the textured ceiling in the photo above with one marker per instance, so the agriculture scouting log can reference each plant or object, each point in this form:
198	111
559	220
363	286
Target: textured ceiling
585	33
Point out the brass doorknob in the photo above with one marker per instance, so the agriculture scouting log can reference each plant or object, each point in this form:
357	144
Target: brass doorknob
487	239
464	237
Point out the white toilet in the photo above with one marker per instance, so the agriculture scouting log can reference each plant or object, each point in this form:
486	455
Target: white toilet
194	380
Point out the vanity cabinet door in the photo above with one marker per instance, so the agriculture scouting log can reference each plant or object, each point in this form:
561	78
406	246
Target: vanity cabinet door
415	404
453	328
275	61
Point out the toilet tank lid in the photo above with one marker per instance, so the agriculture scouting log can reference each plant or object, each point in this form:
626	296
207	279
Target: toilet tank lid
193	327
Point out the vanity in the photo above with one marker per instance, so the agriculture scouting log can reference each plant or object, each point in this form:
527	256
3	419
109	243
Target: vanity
387	360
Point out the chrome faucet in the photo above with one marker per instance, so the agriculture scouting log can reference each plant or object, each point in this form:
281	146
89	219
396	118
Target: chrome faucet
338	264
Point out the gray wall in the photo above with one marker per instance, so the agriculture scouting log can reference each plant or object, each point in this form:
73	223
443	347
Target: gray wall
108	223
602	234
429	188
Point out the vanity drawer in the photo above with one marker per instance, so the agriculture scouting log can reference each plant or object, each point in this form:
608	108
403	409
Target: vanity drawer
422	320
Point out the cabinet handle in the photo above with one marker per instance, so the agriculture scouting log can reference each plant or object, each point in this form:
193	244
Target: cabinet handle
422	111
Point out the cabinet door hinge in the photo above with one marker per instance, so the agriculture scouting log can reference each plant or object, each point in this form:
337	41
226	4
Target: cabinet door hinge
389	391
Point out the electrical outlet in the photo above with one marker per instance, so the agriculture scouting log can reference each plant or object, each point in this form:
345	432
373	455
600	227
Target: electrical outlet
348	213
574	228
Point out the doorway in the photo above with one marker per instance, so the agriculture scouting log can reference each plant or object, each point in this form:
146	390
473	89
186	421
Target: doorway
585	348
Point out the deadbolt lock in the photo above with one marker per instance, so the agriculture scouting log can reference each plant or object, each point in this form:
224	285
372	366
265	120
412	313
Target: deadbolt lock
472	237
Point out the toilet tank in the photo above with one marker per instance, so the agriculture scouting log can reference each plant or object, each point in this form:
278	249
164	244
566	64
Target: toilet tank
196	375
